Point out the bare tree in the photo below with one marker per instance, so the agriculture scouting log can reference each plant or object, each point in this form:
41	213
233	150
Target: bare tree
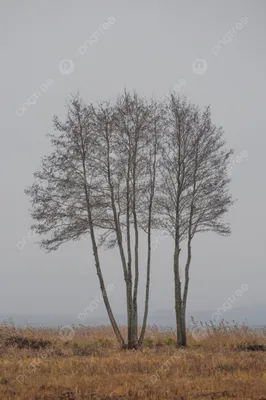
66	202
118	171
148	206
99	180
129	139
193	192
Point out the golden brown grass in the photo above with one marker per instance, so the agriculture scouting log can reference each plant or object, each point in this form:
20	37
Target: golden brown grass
36	364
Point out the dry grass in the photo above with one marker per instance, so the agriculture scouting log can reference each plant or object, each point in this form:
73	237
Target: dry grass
36	364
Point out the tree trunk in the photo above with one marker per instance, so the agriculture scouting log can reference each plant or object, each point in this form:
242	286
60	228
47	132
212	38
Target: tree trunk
147	293
129	263
184	301
178	302
97	263
105	297
183	341
136	255
127	270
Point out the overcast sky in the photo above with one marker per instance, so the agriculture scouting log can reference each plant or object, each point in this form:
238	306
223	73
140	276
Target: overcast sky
148	46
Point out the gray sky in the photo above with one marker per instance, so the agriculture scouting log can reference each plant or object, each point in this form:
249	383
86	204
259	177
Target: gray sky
150	46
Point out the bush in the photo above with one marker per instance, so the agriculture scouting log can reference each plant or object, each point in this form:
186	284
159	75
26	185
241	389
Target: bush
83	350
170	342
94	347
148	342
103	343
25	343
251	347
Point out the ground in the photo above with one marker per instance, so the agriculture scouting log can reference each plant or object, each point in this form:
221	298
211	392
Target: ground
85	363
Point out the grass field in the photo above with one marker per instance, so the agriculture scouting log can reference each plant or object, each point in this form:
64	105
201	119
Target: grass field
85	363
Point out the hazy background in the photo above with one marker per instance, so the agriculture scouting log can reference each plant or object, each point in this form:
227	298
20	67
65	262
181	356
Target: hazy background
150	47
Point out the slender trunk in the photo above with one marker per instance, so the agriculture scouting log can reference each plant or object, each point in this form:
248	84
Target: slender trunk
105	297
184	305
147	293
127	270
183	341
129	264
135	295
189	240
178	303
97	261
136	282
178	290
